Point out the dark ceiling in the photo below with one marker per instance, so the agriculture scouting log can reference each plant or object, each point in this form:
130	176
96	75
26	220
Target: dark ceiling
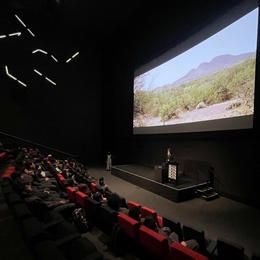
110	18
122	24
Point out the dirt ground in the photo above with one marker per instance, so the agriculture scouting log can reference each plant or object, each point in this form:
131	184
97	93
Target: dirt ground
215	111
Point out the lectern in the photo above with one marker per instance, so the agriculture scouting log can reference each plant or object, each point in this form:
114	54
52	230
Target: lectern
173	172
168	172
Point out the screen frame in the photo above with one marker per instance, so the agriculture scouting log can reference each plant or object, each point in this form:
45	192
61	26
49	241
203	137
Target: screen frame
233	123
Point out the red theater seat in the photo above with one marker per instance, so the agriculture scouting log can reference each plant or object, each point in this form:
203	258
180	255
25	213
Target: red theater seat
145	211
180	252
8	172
71	193
129	225
80	199
93	187
131	204
156	244
60	180
2	156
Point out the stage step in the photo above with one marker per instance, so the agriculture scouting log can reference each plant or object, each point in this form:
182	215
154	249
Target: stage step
207	193
211	195
205	189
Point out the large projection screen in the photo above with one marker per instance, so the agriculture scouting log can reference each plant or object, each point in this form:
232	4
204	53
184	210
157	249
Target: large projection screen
206	83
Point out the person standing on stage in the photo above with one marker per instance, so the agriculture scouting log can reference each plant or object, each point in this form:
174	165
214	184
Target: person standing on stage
109	161
169	156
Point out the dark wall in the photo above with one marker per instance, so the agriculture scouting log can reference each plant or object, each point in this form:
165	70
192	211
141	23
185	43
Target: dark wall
232	154
65	116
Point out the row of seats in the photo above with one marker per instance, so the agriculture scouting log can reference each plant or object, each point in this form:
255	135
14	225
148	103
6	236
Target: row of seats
50	237
105	218
220	249
97	214
156	244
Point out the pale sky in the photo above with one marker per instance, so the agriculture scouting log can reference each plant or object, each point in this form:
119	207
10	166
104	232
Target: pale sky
238	38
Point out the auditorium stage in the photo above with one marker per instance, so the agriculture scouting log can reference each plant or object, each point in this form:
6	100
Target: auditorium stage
144	177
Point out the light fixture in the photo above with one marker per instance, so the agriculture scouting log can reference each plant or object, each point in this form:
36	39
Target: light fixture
73	56
54	58
19	19
10	35
14	78
39	50
36	71
39	73
21	83
52	82
30	32
15	34
44	52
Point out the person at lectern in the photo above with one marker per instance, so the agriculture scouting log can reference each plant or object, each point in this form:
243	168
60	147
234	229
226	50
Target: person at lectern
169	156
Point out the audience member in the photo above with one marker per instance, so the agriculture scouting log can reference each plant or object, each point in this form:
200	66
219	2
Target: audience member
11	153
114	203
102	186
32	175
135	213
150	222
45	182
99	197
83	187
40	205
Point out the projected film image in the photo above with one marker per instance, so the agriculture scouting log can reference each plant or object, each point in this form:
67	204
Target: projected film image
213	80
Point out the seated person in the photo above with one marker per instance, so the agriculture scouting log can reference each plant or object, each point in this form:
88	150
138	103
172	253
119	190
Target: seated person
150	222
83	187
29	175
102	186
99	197
40	203
41	193
114	203
11	153
42	172
135	213
19	178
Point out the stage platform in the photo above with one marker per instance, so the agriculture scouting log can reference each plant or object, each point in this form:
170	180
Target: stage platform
144	177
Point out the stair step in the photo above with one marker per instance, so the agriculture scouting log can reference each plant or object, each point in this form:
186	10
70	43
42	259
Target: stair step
203	190
211	195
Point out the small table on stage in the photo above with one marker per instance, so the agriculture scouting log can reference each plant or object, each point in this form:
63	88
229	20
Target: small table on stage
161	173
